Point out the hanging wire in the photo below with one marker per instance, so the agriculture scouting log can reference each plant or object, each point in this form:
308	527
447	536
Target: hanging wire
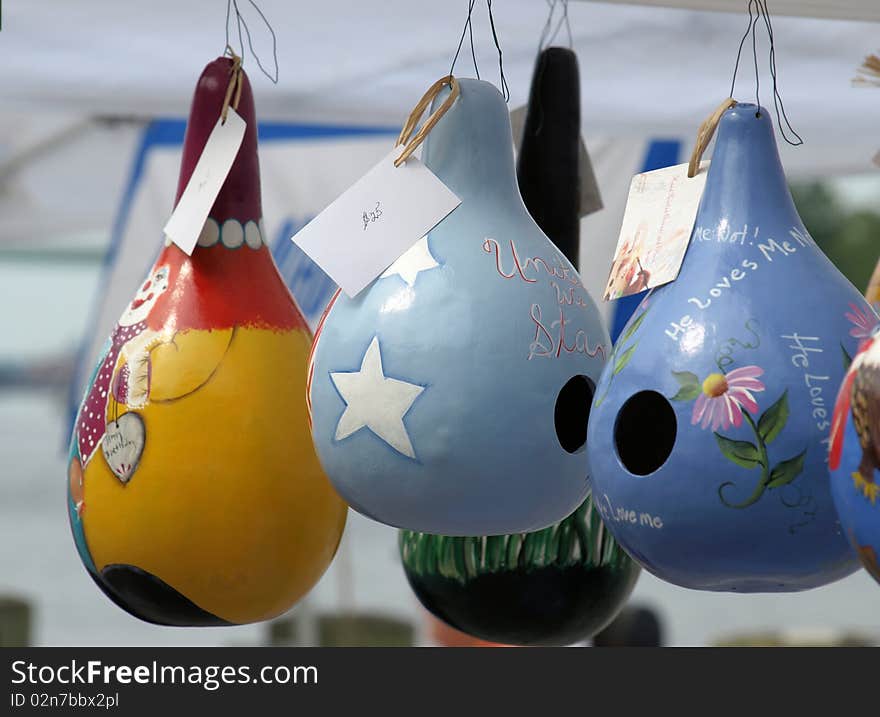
547	25
273	76
742	43
567	23
505	90
468	28
234	6
755	59
762	11
228	11
777	97
471	40
244	31
563	20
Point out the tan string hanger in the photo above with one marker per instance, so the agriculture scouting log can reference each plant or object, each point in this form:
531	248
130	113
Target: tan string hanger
410	144
233	89
705	133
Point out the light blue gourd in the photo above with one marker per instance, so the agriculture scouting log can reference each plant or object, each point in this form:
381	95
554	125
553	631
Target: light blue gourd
710	427
440	395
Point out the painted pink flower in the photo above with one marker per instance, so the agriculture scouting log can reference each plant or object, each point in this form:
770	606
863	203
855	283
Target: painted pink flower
864	322
725	395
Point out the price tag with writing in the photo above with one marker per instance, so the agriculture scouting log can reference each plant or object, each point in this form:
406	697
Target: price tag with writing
657	224
191	212
374	222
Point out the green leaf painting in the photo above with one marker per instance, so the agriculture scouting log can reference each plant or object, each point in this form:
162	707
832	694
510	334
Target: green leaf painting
742	453
785	472
773	420
689	386
621	361
633	327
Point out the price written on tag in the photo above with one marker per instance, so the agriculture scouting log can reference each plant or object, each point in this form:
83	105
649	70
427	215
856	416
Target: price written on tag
374	222
657	224
372	216
191	212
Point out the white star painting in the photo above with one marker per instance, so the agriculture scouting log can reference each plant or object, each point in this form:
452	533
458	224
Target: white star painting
375	401
416	259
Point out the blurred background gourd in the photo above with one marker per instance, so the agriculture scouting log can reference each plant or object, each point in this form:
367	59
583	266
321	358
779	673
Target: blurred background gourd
566	582
195	496
873	293
710	427
433	393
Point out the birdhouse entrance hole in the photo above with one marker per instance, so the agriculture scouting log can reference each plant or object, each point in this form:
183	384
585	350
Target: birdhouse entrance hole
644	432
573	412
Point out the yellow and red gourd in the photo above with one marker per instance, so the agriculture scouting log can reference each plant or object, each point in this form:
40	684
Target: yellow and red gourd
195	495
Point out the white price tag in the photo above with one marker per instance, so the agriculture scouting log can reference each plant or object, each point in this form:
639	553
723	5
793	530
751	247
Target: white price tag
191	212
374	222
660	212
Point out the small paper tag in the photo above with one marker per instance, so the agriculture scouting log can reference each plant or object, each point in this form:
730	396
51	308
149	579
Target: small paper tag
660	212
191	212
590	197
374	222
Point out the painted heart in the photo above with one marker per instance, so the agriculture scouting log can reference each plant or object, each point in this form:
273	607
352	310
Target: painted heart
123	444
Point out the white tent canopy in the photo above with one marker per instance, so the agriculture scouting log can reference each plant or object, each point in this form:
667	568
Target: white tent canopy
644	69
835	9
645	72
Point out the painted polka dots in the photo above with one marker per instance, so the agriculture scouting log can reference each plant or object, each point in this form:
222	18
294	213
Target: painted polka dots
252	236
91	420
210	233
233	234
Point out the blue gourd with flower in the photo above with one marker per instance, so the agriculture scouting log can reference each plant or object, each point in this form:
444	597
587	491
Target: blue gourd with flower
709	434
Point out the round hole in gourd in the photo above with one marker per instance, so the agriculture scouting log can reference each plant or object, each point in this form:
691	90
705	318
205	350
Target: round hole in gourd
644	432
572	412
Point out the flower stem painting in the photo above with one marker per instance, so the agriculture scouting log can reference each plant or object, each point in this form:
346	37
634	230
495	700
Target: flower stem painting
725	401
623	353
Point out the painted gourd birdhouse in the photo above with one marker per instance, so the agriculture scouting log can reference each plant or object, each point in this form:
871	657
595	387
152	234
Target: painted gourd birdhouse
447	396
564	583
554	586
548	161
854	459
709	431
195	495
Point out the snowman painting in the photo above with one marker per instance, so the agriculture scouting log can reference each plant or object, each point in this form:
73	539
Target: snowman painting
125	340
